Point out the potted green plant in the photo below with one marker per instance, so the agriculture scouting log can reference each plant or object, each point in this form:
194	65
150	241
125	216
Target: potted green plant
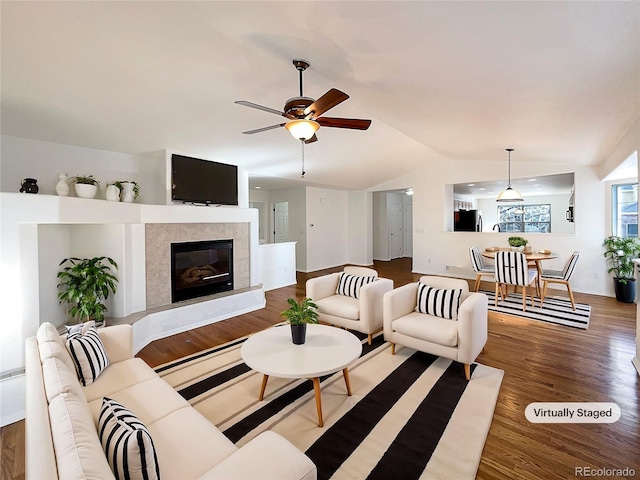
85	185
619	253
129	190
518	243
299	314
86	284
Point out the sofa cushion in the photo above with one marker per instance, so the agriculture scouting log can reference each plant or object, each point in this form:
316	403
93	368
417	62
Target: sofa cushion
350	285
81	328
127	443
119	376
47	333
340	306
59	378
437	301
53	349
88	355
79	454
428	327
137	399
192	443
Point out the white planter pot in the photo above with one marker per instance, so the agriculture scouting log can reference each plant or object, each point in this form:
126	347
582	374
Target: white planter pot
62	187
113	193
127	192
84	190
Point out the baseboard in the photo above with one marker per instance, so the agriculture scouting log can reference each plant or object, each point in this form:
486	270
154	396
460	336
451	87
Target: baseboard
12	399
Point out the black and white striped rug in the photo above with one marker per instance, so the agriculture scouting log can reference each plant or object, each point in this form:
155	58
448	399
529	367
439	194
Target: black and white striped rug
411	415
555	309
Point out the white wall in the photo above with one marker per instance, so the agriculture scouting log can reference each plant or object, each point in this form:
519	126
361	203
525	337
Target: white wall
380	227
22	157
360	228
327	219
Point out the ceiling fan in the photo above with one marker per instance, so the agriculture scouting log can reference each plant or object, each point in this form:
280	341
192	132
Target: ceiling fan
304	113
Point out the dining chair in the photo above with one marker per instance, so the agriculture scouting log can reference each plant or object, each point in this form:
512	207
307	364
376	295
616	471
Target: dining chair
560	276
511	269
477	262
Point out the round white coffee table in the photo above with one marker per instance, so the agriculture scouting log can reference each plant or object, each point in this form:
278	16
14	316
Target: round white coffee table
326	350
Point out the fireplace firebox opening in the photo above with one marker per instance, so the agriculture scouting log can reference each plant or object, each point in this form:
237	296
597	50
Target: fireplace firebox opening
201	268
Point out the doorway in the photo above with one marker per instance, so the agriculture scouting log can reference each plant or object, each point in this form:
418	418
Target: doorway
280	222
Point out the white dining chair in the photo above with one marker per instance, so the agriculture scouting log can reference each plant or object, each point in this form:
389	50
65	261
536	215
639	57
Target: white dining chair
511	269
482	270
560	276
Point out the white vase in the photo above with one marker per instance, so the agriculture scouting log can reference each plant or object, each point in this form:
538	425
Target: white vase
113	193
84	190
127	192
62	187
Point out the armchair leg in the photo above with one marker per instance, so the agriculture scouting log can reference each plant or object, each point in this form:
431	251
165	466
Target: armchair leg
467	371
393	349
370	338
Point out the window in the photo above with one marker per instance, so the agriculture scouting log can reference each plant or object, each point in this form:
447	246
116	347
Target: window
525	218
624	200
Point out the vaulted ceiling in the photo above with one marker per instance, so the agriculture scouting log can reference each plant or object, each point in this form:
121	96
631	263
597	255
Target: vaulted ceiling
558	81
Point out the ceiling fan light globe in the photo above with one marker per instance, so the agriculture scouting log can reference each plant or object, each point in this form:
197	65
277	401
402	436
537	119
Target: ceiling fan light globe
302	129
509	195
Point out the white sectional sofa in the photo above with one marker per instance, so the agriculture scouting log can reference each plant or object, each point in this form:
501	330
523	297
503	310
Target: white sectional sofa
62	440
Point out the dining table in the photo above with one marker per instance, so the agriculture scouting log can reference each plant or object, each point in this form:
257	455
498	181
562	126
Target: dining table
535	256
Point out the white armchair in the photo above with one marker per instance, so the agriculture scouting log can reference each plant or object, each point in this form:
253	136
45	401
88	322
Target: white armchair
461	340
363	314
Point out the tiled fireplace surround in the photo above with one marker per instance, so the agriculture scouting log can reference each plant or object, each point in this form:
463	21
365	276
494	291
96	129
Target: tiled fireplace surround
158	240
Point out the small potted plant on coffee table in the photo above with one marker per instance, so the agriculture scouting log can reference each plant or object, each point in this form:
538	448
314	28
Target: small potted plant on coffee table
299	314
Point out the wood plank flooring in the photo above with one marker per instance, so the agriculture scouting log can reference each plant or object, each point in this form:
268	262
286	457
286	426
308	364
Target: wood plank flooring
542	363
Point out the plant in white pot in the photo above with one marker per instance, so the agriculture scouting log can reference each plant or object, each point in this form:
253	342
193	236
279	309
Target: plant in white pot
85	285
619	253
299	314
85	185
129	190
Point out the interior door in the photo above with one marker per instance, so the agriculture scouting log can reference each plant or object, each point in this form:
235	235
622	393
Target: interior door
408	230
280	222
395	230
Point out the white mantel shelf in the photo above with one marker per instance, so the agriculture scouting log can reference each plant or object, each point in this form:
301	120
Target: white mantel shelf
72	210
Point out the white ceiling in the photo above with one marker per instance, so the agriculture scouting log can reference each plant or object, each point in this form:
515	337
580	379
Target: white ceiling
558	81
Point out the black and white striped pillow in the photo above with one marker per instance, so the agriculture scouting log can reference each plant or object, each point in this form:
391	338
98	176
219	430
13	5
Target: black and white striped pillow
438	302
350	285
88	354
127	443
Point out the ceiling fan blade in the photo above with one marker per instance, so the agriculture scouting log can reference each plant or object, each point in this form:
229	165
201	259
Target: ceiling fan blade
312	139
329	100
352	123
259	107
264	129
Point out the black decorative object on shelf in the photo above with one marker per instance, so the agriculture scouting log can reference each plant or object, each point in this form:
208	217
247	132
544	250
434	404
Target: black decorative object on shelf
29	185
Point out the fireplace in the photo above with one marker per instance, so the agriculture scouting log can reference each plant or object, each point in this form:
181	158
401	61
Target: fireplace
201	268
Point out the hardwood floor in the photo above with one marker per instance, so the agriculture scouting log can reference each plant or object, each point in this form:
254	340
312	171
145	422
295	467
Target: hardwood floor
542	363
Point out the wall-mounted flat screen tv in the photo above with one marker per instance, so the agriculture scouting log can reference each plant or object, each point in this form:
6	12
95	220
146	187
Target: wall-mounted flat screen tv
204	182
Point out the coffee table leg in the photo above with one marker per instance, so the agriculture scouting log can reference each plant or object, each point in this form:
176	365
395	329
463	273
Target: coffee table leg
345	372
264	386
316	387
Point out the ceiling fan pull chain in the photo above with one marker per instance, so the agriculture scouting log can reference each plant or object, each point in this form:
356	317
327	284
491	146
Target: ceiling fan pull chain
303	172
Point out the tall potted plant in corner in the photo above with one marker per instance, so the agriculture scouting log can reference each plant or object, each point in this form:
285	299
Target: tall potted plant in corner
299	314
619	253
86	284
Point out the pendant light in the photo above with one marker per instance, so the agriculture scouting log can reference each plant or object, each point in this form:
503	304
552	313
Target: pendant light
509	194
